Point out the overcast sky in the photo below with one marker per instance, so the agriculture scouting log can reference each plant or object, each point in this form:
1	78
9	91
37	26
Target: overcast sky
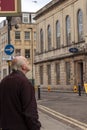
31	5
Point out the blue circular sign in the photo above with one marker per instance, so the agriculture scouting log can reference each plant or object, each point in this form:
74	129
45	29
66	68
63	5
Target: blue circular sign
73	50
9	49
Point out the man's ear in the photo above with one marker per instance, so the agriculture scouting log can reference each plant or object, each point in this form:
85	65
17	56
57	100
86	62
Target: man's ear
23	67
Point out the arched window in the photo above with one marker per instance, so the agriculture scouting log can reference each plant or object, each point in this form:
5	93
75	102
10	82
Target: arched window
80	25
41	41
58	34
68	30
49	37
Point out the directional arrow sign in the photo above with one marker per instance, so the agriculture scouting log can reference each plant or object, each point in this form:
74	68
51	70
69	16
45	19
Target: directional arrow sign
9	49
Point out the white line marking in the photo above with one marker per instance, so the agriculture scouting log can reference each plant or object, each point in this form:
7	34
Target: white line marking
63	117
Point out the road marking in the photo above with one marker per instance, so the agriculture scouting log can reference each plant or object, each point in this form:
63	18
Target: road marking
63	117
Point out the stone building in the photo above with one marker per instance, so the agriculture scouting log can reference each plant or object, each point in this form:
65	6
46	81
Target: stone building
22	37
61	56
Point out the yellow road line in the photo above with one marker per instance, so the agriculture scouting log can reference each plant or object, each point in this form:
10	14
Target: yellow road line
63	117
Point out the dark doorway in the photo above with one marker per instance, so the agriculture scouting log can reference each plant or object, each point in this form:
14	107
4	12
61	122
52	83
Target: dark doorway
80	73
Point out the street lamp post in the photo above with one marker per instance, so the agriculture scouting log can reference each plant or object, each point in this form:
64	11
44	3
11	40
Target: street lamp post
32	53
9	44
9	28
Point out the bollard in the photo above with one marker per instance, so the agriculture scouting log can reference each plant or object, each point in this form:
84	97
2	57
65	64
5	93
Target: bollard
38	92
75	88
49	88
79	89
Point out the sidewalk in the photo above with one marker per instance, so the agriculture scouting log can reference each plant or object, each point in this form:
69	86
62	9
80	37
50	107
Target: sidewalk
48	123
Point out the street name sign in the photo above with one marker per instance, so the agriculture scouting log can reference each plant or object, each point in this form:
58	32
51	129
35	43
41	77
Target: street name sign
10	7
7	58
73	50
9	49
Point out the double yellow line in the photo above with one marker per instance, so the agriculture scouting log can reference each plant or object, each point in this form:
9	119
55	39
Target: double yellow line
70	120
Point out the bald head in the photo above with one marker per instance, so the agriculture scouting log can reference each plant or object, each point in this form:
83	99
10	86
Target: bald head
20	63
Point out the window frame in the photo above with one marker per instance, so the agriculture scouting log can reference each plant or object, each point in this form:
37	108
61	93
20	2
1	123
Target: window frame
18	53
41	74
41	41
49	37
17	35
68	30
58	34
68	73
49	73
80	25
57	70
27	17
27	54
27	35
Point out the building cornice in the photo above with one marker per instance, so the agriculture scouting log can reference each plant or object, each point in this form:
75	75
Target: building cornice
48	7
52	5
61	57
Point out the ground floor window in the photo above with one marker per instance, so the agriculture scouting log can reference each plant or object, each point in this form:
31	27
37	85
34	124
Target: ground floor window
49	73
41	74
67	72
57	69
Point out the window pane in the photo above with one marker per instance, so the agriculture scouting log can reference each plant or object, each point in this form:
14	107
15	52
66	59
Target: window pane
49	38
32	18
27	35
17	35
27	53
34	35
57	66
4	72
41	40
18	52
57	34
68	72
49	73
80	25
26	18
41	74
68	30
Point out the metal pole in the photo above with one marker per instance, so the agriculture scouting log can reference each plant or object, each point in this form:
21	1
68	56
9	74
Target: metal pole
39	92
32	59
79	89
9	28
32	53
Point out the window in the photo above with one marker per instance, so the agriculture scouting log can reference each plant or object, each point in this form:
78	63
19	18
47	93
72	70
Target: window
57	69
18	52
68	30
49	73
4	72
27	53
67	72
34	52
27	35
34	35
26	18
41	40
49	37
17	35
80	25
58	34
32	18
41	74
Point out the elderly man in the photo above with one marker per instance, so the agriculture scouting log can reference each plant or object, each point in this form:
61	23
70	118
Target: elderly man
18	108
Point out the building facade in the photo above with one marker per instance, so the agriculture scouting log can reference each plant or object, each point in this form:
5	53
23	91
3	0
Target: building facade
61	56
22	37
